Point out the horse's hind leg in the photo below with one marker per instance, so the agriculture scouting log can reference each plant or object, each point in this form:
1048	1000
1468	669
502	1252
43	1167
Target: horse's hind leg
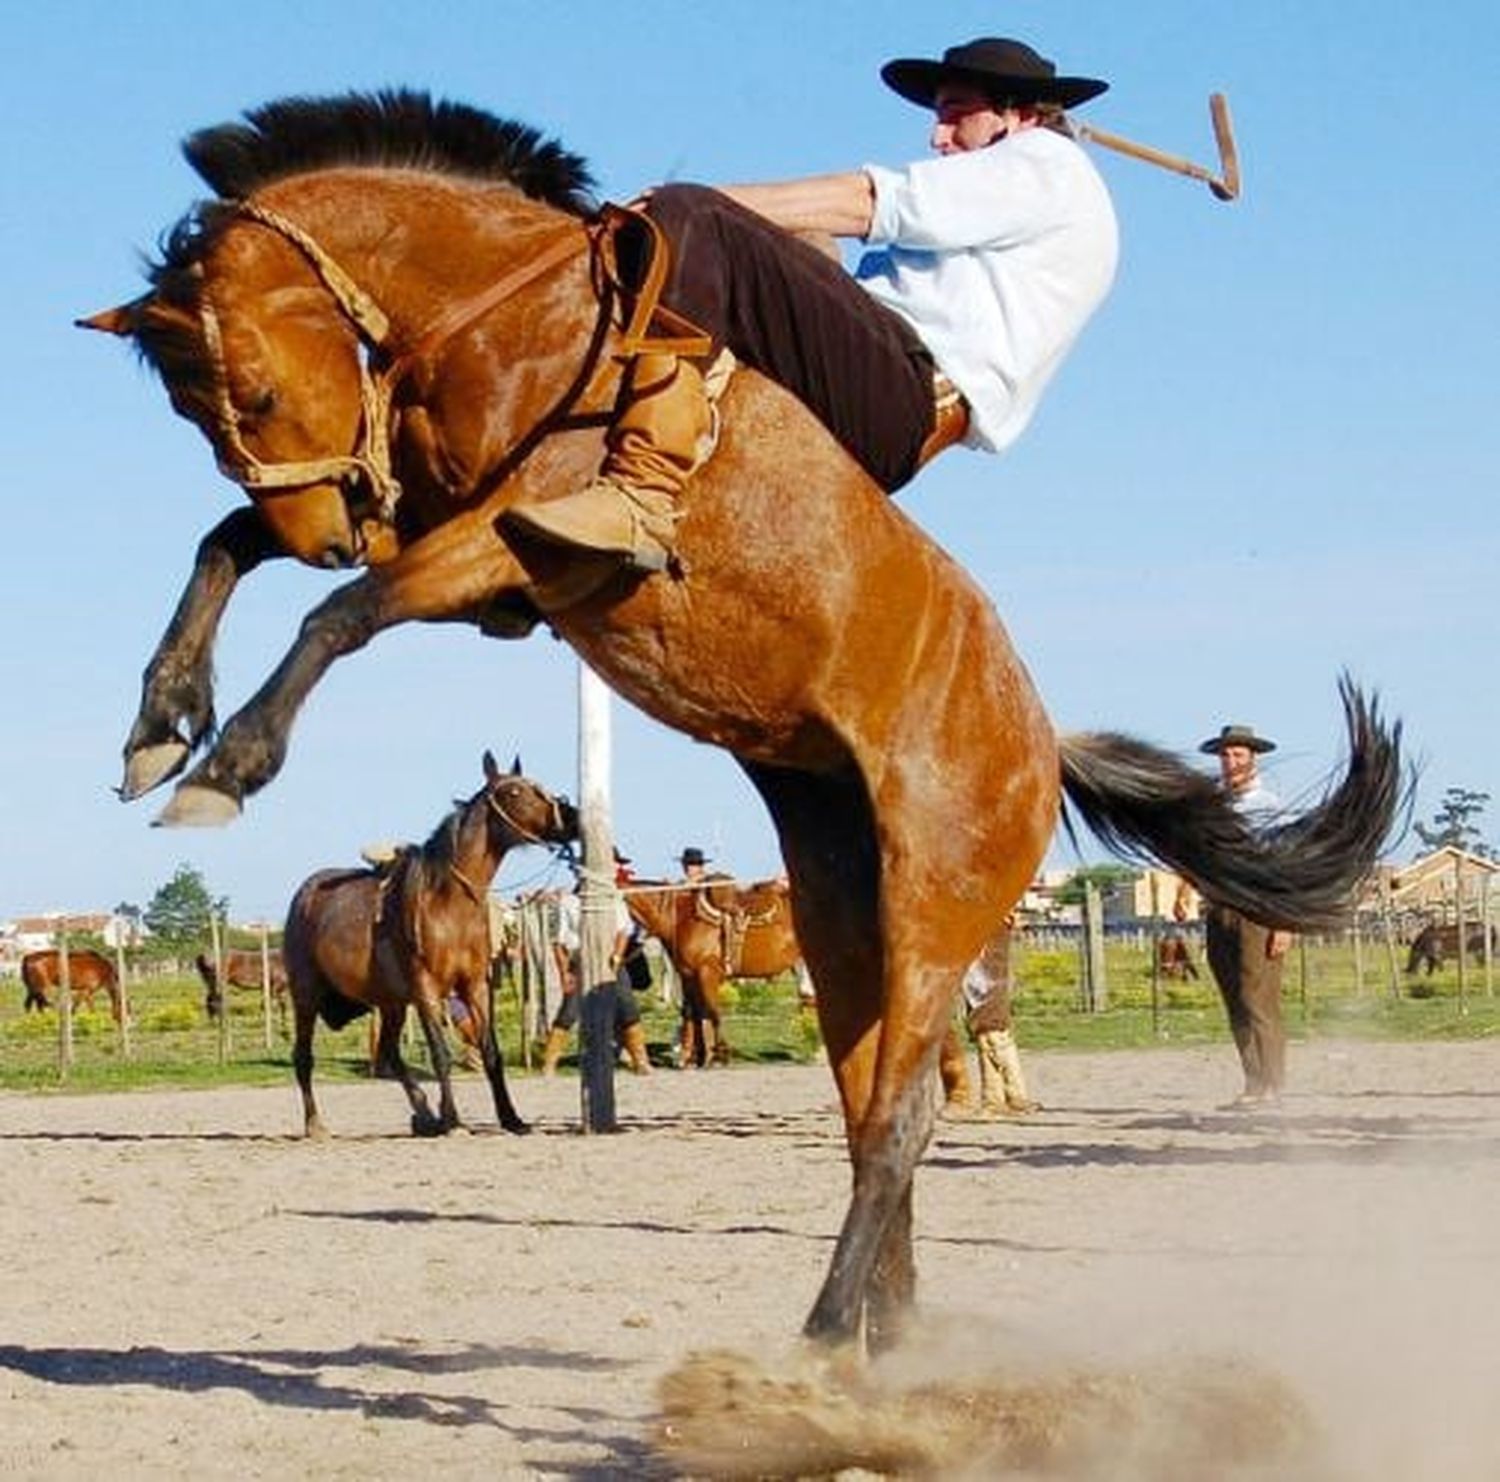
836	895
306	1020
389	1061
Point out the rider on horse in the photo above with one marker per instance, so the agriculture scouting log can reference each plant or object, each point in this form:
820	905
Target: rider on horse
991	259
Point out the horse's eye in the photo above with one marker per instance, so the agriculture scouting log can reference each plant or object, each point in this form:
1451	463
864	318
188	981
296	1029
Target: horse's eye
262	404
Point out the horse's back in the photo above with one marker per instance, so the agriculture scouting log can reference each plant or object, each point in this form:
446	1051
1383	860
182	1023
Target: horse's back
328	930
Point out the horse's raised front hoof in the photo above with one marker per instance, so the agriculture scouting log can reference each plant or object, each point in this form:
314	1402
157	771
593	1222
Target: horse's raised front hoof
149	766
194	806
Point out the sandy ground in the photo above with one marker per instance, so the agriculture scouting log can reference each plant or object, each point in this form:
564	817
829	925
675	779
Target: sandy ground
190	1290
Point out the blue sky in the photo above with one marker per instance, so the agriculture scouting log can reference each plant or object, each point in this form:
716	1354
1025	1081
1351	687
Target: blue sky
1273	455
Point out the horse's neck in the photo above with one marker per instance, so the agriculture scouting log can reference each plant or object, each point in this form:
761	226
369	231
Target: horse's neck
654	909
420	244
476	853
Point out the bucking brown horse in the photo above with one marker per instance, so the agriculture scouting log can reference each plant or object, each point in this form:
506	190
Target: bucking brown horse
712	932
241	970
88	972
412	935
398	319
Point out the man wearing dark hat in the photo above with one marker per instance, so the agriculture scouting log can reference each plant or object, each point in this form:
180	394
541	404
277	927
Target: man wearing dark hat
987	262
1246	958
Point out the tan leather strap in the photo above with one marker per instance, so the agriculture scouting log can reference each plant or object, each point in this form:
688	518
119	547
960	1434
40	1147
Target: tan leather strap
686	339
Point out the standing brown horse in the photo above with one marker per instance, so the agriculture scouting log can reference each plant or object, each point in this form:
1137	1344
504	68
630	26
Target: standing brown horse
241	970
88	972
398	321
713	932
416	934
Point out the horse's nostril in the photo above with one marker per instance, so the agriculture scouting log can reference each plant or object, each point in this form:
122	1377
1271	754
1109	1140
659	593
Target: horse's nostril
337	557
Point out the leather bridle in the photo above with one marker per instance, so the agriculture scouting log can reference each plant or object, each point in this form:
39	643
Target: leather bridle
381	367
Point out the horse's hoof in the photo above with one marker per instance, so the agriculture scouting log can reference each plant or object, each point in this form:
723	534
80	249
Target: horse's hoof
316	1132
150	766
193	806
427	1126
516	1125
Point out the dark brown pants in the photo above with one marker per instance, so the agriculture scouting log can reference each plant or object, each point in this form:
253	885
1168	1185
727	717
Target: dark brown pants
797	316
1250	985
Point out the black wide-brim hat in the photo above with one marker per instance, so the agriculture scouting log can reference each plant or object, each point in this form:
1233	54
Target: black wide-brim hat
1008	71
1236	736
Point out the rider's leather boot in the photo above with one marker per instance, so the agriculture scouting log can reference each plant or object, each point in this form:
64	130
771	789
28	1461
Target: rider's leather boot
1000	1071
662	432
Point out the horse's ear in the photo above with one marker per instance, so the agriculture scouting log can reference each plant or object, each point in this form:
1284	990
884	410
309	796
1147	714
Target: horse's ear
123	319
515	766
491	769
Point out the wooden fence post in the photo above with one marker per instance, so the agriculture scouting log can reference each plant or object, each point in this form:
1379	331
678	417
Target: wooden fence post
265	983
1155	954
64	1003
216	945
124	1026
1463	946
1096	988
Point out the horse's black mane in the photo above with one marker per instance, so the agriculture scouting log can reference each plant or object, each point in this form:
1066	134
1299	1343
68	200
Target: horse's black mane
393	128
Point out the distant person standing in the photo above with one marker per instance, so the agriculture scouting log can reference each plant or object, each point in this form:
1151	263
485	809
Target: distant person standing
630	1034
987	990
1247	959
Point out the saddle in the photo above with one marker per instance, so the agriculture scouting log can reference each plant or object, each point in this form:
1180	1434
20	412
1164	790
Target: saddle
736	920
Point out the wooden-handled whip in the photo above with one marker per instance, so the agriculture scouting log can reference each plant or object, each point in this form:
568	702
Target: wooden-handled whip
1225	185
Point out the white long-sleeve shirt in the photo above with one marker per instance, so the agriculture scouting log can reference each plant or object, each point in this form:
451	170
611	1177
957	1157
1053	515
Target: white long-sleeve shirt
997	257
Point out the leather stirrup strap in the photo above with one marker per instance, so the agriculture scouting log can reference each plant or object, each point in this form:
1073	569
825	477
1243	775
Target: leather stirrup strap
684	338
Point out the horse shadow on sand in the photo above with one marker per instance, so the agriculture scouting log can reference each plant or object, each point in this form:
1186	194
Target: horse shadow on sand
298	1379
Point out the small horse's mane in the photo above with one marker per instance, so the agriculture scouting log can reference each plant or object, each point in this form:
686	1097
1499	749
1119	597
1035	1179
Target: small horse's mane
442	842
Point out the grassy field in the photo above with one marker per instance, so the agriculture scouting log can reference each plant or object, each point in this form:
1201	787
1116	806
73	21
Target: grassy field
173	1043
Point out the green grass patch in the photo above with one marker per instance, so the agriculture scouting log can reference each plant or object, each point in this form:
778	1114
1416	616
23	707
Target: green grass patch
174	1044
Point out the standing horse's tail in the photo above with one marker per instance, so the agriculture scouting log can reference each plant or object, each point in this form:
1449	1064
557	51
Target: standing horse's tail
1299	873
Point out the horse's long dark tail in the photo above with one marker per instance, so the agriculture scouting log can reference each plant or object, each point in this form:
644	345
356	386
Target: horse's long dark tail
1300	873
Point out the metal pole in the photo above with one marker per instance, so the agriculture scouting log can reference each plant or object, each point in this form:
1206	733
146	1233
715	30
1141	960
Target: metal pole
596	908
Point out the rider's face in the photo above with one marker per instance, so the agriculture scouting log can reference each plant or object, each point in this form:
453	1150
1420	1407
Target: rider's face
1237	767
967	119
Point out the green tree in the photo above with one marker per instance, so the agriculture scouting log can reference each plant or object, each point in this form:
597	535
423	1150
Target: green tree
177	915
1104	876
1453	823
